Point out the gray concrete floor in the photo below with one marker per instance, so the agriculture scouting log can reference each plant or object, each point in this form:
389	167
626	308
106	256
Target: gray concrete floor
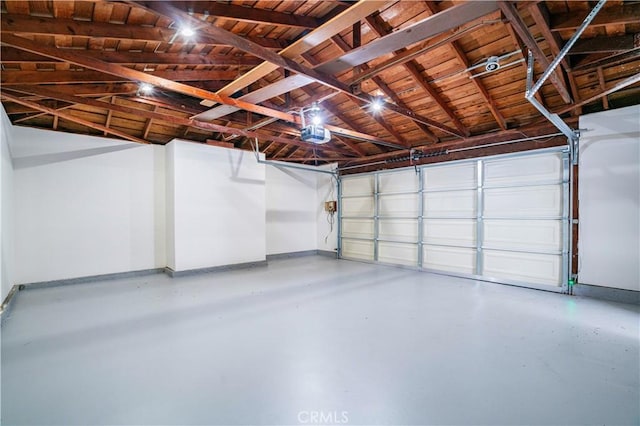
353	342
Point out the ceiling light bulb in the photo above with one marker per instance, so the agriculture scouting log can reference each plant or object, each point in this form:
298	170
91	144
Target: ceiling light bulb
187	32
376	105
146	88
316	120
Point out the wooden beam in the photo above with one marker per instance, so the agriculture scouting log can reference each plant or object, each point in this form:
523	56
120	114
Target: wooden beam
165	118
22	24
227	37
327	104
333	110
56	77
10	55
540	15
493	108
614	44
72	118
618	14
599	60
247	14
603	87
132	74
501	136
621	85
419	31
381	28
110	116
333	26
147	125
523	32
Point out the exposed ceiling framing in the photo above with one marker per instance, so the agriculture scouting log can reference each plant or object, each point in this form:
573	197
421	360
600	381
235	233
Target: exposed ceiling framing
251	66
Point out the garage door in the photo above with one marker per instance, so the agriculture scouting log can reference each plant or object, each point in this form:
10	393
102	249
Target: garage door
501	218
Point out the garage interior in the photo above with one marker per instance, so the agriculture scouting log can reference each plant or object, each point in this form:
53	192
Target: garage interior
320	212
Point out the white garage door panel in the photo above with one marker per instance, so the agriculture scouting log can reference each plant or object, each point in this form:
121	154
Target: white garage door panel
450	176
450	204
451	259
357	206
532	235
355	249
525	267
397	253
514	207
531	201
398	229
361	185
405	181
523	170
401	205
455	232
357	228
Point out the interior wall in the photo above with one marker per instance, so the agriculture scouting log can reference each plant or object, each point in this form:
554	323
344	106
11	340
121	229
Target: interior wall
291	210
6	202
609	194
85	205
218	206
6	218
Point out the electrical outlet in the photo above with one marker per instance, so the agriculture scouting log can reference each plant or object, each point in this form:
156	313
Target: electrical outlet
330	206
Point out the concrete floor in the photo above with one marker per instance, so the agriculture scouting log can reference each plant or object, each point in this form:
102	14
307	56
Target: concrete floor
310	337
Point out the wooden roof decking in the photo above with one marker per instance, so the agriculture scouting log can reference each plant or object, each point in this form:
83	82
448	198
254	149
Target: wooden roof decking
75	66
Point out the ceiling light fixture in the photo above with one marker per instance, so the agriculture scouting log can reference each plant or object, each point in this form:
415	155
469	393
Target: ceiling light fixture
187	32
145	88
314	132
376	104
492	64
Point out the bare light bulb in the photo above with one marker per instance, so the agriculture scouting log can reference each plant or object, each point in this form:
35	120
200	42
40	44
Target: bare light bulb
146	88
187	32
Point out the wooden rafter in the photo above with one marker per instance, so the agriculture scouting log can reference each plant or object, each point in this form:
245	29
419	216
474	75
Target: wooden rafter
21	24
616	44
603	87
331	27
618	86
342	45
48	77
540	15
132	74
231	39
623	14
10	55
522	30
411	66
247	14
166	118
70	117
327	104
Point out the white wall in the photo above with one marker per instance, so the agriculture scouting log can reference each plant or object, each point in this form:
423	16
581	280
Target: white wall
6	206
609	194
6	217
291	203
218	206
85	205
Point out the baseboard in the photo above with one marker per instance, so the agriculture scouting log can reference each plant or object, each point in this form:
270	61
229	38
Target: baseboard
327	253
607	293
91	278
247	265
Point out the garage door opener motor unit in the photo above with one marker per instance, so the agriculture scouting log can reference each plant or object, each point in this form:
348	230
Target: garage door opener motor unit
313	132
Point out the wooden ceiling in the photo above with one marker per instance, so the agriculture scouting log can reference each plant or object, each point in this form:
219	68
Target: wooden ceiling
250	66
